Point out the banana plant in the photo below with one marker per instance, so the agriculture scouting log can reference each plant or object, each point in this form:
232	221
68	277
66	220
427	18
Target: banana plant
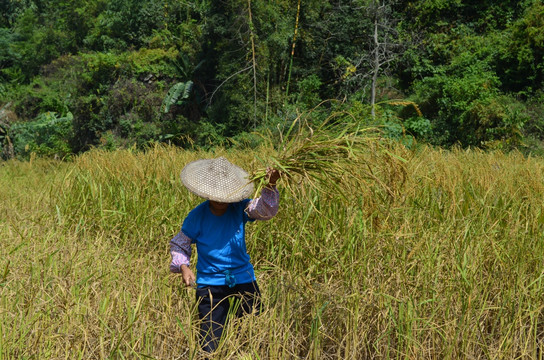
177	95
181	92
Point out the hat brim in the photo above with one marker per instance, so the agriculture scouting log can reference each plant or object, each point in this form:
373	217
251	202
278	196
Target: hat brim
217	180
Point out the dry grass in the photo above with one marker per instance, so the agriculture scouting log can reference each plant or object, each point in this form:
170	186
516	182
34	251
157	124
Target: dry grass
440	258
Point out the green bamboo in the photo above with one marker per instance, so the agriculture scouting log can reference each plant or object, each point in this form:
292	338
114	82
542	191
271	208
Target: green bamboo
293	49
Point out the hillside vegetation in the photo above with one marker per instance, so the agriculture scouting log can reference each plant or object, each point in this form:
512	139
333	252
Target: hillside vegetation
436	257
76	75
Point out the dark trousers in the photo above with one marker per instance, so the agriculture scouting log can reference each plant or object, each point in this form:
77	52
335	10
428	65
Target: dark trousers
215	303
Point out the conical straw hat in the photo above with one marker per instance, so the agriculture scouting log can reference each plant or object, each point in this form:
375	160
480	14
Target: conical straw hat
217	180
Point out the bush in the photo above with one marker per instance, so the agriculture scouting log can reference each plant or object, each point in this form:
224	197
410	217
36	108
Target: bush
88	122
156	62
136	131
101	90
418	126
29	101
445	99
308	91
494	122
48	135
102	68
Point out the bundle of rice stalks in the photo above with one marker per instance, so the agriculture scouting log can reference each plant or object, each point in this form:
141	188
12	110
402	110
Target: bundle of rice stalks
320	156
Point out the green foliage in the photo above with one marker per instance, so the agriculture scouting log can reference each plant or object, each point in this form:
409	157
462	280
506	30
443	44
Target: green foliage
124	24
469	109
308	91
521	61
447	97
35	44
131	96
495	122
88	123
157	62
419	127
135	131
166	70
9	10
437	15
177	95
432	14
6	147
38	97
101	69
534	127
47	135
7	54
75	18
332	32
462	81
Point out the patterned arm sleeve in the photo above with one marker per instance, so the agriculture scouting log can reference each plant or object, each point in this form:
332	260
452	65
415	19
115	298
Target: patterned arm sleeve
266	206
180	249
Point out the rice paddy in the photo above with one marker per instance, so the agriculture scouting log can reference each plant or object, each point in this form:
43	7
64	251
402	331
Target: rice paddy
436	256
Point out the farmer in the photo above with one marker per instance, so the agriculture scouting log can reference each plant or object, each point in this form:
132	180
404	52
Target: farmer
217	227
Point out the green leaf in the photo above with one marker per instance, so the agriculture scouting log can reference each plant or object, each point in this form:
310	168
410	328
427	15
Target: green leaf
177	94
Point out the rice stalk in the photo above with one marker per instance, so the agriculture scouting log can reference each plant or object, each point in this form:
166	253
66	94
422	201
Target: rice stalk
405	103
454	269
322	156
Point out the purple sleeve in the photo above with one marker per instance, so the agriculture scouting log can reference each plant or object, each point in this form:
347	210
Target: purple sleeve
266	206
180	249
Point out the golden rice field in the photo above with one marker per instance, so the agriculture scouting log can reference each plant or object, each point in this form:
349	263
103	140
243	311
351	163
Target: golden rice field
440	256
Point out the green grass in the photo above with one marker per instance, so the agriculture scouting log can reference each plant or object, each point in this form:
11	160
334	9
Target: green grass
440	258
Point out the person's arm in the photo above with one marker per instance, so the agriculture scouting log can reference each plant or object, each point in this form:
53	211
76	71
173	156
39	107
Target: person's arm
180	249
266	206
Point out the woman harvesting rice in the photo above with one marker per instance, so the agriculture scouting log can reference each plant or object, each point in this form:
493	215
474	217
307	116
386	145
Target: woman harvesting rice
217	227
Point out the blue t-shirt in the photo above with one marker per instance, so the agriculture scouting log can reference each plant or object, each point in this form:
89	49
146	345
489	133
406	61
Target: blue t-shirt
221	244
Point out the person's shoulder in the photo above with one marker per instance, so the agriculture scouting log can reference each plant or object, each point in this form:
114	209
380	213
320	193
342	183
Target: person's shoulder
194	216
241	204
197	210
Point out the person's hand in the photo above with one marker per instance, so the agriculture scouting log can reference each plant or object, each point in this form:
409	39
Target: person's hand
187	275
273	175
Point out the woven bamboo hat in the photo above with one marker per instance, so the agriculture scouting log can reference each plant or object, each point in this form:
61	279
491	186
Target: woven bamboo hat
217	180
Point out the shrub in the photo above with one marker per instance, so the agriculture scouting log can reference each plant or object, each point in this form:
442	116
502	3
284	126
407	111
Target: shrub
136	131
157	62
102	68
445	99
493	121
29	101
48	135
308	91
418	126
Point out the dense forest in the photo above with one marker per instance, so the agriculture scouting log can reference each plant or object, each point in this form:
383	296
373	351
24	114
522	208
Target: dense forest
95	73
